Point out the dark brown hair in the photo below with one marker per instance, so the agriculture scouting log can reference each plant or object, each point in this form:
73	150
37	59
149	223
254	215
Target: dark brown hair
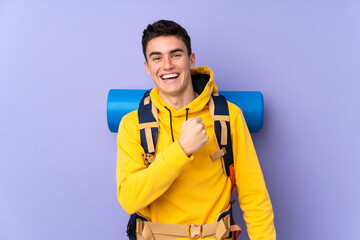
165	28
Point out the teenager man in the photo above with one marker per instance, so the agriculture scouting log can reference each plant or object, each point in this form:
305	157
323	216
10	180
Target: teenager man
185	184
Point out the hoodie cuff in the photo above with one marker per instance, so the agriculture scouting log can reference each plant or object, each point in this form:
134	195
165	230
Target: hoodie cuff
175	158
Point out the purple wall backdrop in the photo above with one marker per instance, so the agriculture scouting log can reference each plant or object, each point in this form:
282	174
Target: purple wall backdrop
58	59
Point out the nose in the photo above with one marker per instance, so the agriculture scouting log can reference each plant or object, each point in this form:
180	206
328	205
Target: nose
168	64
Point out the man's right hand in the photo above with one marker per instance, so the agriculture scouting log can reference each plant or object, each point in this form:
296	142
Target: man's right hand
193	135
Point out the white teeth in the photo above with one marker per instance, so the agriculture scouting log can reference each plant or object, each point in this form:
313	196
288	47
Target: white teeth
170	76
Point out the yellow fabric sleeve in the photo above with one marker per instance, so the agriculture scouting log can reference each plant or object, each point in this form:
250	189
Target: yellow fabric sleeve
139	186
253	196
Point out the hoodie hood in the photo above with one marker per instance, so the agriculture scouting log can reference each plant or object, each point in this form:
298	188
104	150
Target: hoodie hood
203	84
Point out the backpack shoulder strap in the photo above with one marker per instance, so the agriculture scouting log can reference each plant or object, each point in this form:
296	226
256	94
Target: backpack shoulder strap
149	127
219	111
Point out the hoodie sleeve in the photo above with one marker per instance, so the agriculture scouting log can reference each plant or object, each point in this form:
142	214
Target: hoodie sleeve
138	186
253	196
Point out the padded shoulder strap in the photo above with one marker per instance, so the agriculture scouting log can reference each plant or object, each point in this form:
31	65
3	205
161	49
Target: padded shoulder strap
220	113
148	124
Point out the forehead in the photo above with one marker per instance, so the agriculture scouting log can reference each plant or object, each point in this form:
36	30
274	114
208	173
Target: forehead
164	44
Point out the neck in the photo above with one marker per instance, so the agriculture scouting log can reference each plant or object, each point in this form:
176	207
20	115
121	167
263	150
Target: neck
179	102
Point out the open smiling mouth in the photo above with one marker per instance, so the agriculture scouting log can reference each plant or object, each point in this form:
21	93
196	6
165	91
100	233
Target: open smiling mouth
171	76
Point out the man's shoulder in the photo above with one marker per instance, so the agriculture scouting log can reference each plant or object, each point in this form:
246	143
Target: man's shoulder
130	120
234	110
131	116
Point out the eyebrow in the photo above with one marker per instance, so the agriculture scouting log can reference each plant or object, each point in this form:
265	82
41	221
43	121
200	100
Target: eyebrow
172	51
177	50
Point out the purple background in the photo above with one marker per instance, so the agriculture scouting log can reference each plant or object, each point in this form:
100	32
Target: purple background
58	60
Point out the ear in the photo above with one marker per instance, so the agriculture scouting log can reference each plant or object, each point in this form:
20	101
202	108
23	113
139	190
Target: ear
147	68
192	60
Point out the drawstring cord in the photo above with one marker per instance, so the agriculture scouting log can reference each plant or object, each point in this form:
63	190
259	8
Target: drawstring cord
172	135
171	128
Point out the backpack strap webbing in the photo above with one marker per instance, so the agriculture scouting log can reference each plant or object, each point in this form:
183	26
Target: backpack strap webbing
219	111
221	229
149	131
148	126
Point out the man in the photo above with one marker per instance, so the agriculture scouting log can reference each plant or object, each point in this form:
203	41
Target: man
183	185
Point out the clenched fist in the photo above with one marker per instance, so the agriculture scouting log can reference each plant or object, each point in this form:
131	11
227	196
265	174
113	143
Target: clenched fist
192	135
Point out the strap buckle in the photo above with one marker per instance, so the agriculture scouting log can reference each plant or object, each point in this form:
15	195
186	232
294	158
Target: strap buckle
195	231
148	158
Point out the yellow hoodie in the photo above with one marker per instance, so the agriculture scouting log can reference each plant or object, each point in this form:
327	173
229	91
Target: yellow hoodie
179	189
